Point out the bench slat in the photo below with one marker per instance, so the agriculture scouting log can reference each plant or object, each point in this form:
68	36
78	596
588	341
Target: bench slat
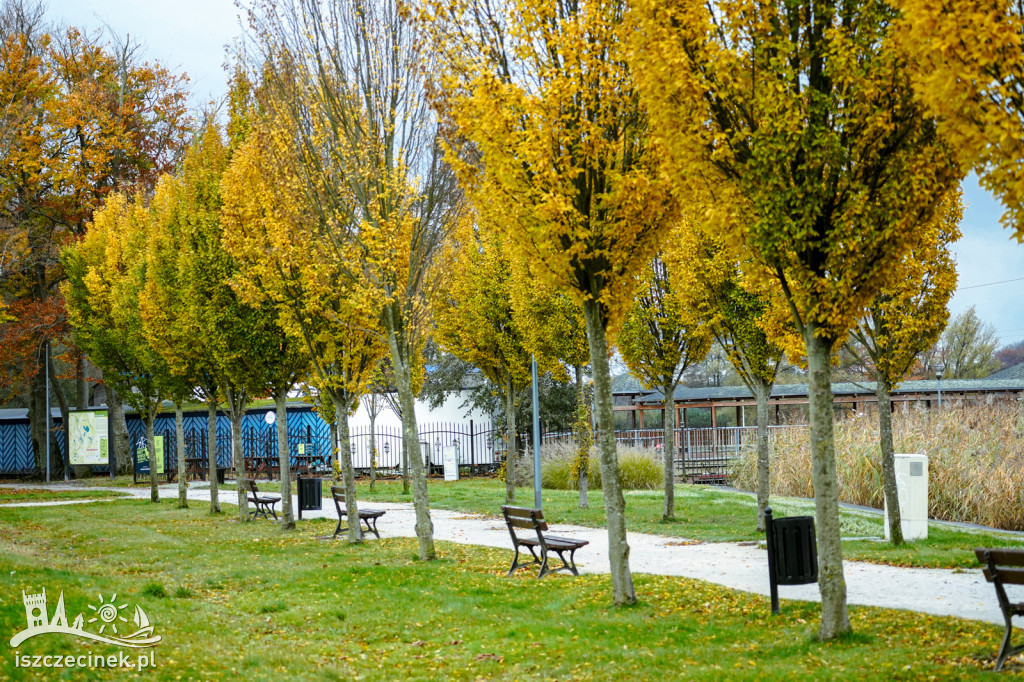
1009	576
519	517
1001	557
520	523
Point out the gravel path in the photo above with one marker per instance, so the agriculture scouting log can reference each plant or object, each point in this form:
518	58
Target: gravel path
741	566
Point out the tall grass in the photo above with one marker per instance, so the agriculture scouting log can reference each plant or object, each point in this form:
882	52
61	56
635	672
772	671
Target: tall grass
639	468
975	460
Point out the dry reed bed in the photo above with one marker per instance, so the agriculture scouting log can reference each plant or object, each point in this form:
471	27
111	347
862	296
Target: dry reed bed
975	460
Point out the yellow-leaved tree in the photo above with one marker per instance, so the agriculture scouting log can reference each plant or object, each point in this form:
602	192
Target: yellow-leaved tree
555	332
473	314
663	335
740	313
799	122
286	262
106	279
166	324
544	93
347	79
906	317
967	60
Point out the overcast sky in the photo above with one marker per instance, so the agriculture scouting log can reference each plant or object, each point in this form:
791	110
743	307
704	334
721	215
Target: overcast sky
192	35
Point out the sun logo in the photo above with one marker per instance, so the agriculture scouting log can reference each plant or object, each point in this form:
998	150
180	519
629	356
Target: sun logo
108	614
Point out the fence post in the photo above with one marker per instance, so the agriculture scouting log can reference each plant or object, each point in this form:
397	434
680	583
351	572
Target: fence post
472	447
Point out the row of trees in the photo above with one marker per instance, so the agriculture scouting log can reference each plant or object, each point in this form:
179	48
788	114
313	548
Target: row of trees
784	138
519	179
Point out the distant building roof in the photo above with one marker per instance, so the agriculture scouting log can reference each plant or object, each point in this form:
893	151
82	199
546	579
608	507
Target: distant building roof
18	413
1011	372
685	394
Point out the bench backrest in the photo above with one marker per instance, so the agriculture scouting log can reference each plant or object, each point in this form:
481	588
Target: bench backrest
249	485
526	518
338	493
1007	564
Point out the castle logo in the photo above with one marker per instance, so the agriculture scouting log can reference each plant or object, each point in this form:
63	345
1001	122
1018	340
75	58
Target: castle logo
108	619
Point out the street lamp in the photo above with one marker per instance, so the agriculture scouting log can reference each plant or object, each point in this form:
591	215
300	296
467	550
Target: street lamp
938	378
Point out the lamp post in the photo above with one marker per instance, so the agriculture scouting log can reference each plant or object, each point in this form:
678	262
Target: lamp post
938	379
48	415
536	435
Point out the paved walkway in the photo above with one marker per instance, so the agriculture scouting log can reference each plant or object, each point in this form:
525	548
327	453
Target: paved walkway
741	566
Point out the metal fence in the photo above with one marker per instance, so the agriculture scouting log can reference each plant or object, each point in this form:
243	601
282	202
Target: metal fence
702	455
479	446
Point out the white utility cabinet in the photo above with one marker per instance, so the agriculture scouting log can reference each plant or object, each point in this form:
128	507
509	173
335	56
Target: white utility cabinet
912	492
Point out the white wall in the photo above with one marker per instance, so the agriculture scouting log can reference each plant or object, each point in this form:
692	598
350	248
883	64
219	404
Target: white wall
451	411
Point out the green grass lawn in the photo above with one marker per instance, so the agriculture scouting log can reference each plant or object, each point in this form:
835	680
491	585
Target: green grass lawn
246	601
8	495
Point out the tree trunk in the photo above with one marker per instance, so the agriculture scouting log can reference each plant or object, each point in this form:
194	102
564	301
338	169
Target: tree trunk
761	390
236	408
831	583
211	441
283	458
179	439
414	460
614	503
668	454
510	449
373	441
59	464
882	390
334	446
355	531
154	494
39	420
583	456
122	442
81	386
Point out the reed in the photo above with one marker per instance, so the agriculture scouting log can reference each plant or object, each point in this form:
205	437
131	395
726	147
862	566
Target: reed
975	460
639	468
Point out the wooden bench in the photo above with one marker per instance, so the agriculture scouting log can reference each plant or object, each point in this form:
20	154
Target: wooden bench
264	503
533	519
1004	567
367	516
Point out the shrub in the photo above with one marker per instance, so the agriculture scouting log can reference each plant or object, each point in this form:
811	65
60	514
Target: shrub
154	590
975	460
640	469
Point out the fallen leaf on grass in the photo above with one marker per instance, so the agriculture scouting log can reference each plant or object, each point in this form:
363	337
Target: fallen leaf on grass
489	657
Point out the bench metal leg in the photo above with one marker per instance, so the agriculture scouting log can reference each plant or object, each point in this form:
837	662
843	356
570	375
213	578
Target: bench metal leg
371	528
569	565
515	560
1005	651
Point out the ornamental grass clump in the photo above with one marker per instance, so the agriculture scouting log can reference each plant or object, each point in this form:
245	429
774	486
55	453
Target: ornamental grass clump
639	468
975	460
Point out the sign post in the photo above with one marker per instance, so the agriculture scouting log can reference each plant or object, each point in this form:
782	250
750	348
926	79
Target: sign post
89	438
451	463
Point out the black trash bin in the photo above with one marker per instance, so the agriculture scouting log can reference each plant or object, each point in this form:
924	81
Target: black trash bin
310	494
792	552
220	474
